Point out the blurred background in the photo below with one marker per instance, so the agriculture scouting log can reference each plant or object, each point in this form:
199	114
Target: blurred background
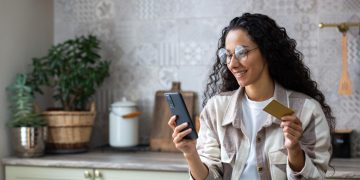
155	42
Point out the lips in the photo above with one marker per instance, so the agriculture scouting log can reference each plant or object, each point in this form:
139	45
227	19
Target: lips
240	73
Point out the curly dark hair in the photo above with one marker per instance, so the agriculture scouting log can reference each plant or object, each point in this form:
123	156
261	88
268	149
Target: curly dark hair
284	61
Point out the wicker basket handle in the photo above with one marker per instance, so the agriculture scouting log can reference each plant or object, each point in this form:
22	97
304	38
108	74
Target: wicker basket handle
93	107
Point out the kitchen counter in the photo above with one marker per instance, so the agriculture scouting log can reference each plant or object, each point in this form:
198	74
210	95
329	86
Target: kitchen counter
107	160
157	161
345	168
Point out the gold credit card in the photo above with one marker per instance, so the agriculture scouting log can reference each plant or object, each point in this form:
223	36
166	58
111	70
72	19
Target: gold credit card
278	110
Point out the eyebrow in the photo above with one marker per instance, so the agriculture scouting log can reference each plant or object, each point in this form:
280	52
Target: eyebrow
245	46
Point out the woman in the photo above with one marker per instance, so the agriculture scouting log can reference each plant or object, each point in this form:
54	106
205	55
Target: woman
256	63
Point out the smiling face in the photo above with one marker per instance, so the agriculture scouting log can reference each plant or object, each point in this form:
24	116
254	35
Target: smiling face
252	69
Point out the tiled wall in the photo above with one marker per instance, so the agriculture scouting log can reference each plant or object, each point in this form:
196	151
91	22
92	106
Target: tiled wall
154	42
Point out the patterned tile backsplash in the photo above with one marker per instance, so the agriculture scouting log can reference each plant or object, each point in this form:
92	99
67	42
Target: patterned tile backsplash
154	42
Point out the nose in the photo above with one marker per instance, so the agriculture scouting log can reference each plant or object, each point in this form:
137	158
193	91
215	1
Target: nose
234	62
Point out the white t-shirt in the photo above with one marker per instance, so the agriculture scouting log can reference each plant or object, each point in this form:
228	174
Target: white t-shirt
254	117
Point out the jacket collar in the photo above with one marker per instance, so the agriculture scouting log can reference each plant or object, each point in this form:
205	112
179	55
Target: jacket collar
233	113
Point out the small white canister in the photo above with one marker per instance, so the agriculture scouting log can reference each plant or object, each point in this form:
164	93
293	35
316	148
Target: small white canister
124	124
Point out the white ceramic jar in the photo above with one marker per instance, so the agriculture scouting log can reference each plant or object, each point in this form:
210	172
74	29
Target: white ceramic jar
124	123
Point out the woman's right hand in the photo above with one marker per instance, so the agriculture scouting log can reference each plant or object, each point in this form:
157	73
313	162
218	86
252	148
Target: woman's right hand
187	146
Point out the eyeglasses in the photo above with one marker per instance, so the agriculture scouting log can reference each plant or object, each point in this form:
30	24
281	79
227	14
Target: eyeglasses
240	54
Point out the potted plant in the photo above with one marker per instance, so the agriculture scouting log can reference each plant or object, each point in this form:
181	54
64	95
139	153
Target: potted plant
73	70
28	127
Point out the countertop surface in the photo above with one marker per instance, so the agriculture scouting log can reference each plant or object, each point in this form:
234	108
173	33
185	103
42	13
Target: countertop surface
157	161
107	160
345	168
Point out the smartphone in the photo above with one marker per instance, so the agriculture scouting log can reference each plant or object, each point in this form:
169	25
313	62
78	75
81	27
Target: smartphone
178	107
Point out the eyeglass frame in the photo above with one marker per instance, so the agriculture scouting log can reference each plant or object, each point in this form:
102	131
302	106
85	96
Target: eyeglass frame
242	53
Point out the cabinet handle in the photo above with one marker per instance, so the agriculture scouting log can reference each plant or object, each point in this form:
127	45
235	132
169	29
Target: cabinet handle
87	174
98	174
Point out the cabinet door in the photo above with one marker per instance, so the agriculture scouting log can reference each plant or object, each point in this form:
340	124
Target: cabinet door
105	174
46	173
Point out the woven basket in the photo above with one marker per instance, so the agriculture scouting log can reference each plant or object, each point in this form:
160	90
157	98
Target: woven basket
69	131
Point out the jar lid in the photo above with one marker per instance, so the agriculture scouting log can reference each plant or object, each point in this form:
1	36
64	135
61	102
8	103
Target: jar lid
123	103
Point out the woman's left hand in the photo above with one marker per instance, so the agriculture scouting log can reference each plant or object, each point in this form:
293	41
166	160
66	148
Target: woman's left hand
292	129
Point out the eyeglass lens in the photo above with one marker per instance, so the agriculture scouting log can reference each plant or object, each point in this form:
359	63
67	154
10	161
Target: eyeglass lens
225	57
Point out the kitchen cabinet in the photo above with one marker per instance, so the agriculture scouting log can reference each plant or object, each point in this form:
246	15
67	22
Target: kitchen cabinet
106	174
110	165
53	173
37	173
61	173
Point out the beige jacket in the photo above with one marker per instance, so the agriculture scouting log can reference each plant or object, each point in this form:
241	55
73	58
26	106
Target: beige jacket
224	148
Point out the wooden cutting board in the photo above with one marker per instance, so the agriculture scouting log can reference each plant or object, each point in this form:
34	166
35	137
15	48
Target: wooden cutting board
161	133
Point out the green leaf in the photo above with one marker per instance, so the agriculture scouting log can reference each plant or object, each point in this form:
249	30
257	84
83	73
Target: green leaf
73	68
21	104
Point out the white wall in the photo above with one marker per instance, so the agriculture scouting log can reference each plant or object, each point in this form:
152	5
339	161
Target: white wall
26	31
